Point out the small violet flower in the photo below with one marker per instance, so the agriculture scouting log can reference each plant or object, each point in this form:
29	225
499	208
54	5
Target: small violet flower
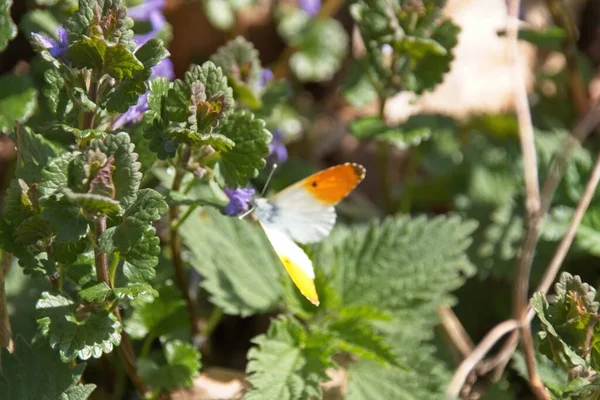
312	7
266	76
55	48
239	200
149	10
277	151
135	112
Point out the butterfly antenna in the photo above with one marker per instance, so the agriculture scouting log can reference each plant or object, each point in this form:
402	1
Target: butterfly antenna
244	215
268	180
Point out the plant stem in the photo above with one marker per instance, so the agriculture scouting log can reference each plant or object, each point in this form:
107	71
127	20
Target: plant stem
185	216
5	329
383	153
147	344
176	247
100	257
113	268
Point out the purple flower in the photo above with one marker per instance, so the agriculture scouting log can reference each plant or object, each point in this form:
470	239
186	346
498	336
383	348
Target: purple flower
55	47
266	76
239	200
149	10
135	112
164	68
277	151
312	7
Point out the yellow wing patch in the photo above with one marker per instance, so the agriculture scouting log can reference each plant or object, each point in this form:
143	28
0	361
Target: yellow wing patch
302	281
296	262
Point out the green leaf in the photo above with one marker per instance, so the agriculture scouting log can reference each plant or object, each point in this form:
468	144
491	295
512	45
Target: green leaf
8	30
358	90
136	293
182	365
241	272
195	139
213	79
321	49
114	60
397	256
163	316
152	53
240	62
31	230
251	140
106	17
33	153
126	176
135	238
415	130
95	293
74	335
287	363
550	38
93	204
353	333
219	13
36	372
18	97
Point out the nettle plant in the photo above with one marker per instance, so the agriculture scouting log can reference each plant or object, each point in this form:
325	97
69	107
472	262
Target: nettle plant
127	181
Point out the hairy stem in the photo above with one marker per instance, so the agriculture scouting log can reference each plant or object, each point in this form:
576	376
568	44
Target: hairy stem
176	247
100	257
113	268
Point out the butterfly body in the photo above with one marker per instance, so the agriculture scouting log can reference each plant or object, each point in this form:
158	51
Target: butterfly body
304	213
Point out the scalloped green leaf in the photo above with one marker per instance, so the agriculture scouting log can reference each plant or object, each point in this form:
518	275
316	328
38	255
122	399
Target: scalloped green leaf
240	61
8	29
247	157
18	99
83	337
195	139
182	365
213	79
26	374
320	51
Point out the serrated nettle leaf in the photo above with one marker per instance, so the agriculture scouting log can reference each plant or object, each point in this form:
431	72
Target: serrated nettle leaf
182	365
75	334
240	61
94	53
127	93
321	49
17	203
95	292
165	314
26	374
407	250
287	363
135	238
151	53
105	18
8	30
241	271
177	103
248	155
159	89
18	99
67	252
57	98
32	230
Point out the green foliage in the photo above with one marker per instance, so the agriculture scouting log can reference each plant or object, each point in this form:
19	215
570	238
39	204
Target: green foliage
36	372
8	30
182	363
17	99
411	133
409	45
94	53
240	62
241	271
287	363
76	333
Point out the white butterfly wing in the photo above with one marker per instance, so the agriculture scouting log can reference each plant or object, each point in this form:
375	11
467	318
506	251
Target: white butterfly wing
296	262
304	218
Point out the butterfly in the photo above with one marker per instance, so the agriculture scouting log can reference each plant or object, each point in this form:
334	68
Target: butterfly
304	212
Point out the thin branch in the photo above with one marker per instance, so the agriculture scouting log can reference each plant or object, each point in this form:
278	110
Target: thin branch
100	257
529	155
5	329
176	247
529	352
465	368
456	331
